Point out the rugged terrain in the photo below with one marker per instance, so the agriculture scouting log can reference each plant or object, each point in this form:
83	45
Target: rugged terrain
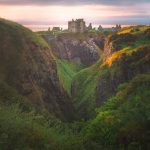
98	81
79	49
120	57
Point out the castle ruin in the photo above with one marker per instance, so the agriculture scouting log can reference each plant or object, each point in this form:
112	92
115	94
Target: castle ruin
77	25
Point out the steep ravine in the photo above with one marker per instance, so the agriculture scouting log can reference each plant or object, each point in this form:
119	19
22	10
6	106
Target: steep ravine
52	102
78	57
121	58
108	60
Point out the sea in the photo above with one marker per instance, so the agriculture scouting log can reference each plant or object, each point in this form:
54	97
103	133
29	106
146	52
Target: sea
43	27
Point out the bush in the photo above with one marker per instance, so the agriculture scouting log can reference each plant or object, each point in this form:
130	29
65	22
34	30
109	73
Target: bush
123	121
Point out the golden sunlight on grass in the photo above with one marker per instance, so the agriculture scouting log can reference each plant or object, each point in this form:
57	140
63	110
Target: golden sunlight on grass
114	57
109	61
134	29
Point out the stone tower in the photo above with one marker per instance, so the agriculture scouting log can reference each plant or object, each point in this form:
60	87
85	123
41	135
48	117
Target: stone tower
77	25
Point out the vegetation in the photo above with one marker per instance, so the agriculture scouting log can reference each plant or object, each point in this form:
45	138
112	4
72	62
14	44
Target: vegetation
14	28
81	36
111	97
134	29
84	98
52	33
20	131
15	43
123	121
66	72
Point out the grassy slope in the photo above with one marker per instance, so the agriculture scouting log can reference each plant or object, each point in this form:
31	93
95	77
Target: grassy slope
16	56
85	83
124	116
15	28
15	45
12	50
127	49
134	29
66	73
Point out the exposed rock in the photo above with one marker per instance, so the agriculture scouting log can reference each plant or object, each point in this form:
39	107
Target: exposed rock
84	52
116	42
121	71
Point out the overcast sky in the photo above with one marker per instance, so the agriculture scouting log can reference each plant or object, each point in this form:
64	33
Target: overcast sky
60	11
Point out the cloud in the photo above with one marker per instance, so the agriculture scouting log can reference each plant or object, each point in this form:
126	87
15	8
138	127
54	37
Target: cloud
71	2
61	14
60	11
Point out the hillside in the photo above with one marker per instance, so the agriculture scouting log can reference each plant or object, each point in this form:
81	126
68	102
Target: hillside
28	66
76	91
123	57
66	72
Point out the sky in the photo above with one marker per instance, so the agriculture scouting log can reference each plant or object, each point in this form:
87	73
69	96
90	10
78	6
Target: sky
60	11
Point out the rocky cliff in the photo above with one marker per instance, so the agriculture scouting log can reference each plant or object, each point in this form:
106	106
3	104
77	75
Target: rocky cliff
80	50
125	56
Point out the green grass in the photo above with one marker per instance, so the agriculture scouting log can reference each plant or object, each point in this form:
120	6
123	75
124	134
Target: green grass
129	48
66	72
124	116
85	83
21	50
127	113
15	40
17	29
25	131
134	29
81	36
52	33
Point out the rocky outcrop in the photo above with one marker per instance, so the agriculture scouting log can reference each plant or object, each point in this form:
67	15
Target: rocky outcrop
116	42
85	52
121	71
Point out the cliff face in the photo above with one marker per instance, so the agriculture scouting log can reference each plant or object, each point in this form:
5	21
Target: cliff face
26	64
121	64
116	42
124	56
84	52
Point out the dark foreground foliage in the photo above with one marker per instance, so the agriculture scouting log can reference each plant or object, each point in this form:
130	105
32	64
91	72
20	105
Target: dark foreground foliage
121	123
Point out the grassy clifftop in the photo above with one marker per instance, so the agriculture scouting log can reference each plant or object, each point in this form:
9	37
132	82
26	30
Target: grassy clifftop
17	29
134	29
